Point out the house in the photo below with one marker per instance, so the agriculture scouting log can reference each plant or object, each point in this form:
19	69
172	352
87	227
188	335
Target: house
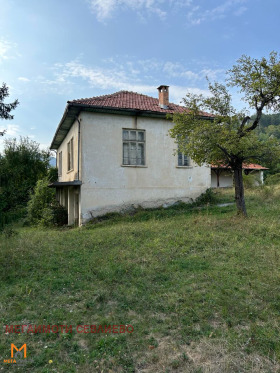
114	152
222	176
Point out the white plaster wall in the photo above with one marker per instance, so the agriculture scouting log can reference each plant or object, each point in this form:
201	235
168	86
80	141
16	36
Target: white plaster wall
69	175
225	181
108	186
259	177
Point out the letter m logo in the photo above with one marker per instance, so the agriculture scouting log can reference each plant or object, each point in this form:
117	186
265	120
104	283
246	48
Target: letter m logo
18	349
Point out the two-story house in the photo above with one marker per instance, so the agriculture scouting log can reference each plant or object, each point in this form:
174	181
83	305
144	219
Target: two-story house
114	152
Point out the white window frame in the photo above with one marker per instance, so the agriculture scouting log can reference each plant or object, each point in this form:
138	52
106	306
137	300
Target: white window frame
129	140
183	159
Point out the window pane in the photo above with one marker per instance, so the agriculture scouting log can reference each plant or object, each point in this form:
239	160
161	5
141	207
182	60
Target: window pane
140	136
72	153
186	160
133	147
132	135
180	159
132	153
125	134
125	153
68	156
140	154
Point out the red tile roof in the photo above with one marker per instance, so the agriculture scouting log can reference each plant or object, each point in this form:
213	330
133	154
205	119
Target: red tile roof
249	166
130	100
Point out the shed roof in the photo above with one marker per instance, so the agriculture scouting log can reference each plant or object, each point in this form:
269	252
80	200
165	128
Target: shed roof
248	166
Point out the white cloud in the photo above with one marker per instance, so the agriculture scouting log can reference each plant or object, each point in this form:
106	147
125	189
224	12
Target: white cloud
104	9
141	76
5	47
240	11
178	70
177	93
115	78
23	79
119	79
196	15
12	129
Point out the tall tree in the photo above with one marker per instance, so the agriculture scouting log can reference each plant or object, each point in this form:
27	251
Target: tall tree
229	137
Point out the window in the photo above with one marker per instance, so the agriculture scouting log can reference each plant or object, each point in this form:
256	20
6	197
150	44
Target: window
59	163
70	155
134	147
183	159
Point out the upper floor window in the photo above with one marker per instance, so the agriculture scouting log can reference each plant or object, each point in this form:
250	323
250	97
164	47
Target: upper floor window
60	163
133	147
70	155
183	159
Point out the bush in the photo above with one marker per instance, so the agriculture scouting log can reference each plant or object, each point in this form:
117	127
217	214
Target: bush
273	179
52	174
43	208
250	181
8	217
208	197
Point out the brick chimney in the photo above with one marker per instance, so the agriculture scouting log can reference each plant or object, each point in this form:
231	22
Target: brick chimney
163	96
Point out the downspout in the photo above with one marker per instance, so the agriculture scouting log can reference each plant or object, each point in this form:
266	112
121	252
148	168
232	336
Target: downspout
79	135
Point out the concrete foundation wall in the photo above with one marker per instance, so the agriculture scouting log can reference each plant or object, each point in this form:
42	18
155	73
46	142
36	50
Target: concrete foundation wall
107	185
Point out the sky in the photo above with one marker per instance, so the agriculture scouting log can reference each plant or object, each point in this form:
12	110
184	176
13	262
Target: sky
52	51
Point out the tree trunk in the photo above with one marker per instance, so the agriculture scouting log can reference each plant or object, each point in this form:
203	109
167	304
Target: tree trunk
239	192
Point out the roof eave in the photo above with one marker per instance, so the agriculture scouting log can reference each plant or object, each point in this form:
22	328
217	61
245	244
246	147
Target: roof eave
73	109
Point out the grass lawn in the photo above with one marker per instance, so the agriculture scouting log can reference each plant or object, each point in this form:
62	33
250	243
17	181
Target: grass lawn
200	286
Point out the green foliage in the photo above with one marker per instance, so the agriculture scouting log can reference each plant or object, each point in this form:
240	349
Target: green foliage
42	197
52	174
250	181
43	208
273	179
10	216
21	165
268	120
209	197
5	109
229	137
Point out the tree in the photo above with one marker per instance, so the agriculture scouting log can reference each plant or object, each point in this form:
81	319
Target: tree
229	138
21	165
5	109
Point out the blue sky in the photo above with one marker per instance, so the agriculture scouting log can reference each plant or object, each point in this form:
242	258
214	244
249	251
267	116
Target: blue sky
52	51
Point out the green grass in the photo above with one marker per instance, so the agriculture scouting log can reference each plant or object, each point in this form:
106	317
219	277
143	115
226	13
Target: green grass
200	286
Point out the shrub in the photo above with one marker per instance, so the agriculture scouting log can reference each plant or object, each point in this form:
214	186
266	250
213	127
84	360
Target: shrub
273	179
250	181
208	197
43	208
52	174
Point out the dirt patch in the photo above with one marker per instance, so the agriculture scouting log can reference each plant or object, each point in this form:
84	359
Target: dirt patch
206	356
